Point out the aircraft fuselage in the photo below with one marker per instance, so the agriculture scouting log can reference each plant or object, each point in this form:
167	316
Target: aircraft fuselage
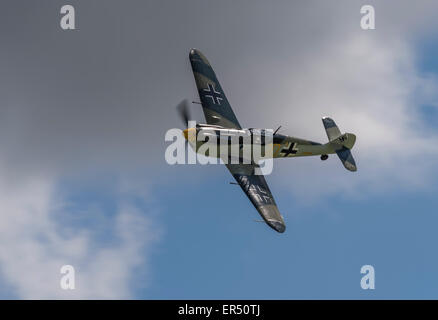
271	145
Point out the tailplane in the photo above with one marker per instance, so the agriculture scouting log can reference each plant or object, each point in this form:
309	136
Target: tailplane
341	143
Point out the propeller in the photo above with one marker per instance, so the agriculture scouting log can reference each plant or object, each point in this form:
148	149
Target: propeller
184	111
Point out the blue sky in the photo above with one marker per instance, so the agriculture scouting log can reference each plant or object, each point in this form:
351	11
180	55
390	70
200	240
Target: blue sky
223	254
83	179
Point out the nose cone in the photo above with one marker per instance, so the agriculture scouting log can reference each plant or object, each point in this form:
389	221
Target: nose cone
189	134
277	226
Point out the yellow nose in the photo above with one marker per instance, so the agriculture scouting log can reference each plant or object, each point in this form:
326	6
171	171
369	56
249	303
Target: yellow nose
189	131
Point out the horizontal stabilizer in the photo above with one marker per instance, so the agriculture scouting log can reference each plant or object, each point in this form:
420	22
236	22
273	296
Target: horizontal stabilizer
331	128
347	159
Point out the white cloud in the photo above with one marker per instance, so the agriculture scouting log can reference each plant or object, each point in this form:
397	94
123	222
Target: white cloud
371	86
35	245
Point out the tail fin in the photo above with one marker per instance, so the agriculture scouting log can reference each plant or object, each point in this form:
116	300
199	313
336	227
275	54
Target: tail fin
341	143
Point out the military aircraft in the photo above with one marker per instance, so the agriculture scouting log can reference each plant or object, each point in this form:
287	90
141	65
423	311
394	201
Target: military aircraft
221	119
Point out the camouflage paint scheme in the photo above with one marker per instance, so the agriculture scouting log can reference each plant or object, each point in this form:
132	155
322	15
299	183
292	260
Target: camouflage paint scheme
220	116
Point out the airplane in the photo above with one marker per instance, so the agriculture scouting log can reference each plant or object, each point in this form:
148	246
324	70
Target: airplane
221	119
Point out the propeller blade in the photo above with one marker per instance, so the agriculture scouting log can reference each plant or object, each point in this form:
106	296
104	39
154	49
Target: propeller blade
184	111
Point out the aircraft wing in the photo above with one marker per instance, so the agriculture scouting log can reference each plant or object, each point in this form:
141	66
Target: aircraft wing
215	105
257	190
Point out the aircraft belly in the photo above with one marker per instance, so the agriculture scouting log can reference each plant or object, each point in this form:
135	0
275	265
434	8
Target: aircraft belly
309	150
302	150
245	152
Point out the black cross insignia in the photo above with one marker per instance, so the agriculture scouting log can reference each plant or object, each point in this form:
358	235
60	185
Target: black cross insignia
290	150
213	94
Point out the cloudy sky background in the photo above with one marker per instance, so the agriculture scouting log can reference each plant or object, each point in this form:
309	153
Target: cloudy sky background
83	179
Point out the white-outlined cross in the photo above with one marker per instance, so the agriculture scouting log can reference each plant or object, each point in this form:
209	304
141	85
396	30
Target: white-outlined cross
213	94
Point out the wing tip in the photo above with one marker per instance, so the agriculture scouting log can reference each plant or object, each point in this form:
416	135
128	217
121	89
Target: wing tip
195	54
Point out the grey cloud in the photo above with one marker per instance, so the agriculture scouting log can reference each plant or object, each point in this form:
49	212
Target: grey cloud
102	96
